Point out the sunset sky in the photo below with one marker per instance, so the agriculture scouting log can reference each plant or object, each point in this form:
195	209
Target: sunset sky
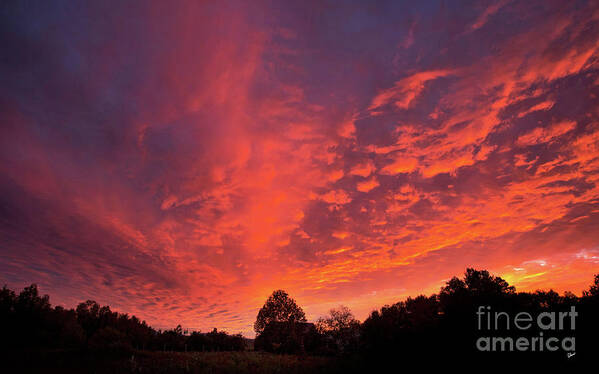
180	161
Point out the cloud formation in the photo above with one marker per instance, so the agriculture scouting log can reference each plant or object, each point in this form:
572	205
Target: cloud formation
181	162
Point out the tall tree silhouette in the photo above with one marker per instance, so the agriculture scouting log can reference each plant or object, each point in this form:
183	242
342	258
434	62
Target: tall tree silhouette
278	308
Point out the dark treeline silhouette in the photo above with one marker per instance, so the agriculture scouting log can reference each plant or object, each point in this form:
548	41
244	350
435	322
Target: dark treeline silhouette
445	326
449	324
28	322
439	329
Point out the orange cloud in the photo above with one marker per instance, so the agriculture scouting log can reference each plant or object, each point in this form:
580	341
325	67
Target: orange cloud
406	90
401	164
336	197
367	185
546	134
363	169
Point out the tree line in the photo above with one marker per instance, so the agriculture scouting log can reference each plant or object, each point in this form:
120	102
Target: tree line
28	321
446	324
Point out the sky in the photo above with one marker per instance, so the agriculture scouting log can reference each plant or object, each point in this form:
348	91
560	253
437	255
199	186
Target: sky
181	160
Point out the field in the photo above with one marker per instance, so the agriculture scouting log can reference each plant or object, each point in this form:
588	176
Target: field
227	362
171	362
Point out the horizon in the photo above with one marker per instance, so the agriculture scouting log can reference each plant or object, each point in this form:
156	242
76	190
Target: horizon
187	330
180	162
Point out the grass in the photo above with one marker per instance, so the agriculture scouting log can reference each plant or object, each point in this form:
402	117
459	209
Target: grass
143	362
226	362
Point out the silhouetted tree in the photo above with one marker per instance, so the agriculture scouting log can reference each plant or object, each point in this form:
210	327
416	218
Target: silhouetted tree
338	319
88	316
278	308
340	330
405	326
476	283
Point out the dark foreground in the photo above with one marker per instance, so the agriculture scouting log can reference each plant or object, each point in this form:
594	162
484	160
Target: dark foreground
264	363
167	362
